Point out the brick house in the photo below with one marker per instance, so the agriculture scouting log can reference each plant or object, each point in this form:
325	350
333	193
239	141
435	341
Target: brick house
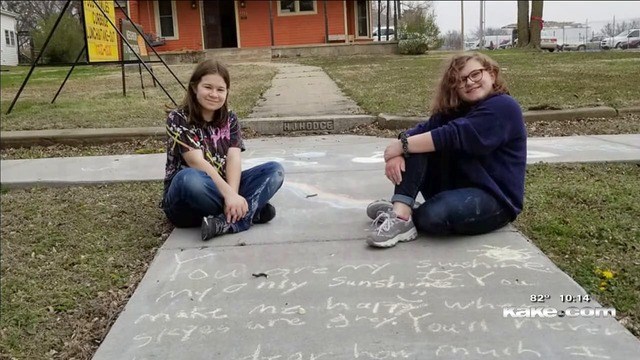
188	25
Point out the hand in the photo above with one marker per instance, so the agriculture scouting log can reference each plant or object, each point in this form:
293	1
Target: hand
394	169
235	207
394	149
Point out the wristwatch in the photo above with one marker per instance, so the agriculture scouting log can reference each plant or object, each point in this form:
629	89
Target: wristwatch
405	144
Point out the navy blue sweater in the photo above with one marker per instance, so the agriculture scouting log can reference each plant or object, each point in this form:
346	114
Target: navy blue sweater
483	146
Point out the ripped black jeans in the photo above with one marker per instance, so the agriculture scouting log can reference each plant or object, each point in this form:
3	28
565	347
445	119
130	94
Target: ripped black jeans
463	211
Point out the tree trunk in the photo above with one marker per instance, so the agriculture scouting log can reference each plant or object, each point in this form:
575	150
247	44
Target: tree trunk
523	23
535	26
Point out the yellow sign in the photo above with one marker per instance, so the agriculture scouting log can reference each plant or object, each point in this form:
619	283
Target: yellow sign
102	39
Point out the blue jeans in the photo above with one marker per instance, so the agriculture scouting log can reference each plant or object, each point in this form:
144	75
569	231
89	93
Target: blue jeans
193	195
446	211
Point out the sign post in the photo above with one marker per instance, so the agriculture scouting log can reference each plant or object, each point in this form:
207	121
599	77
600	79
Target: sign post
131	34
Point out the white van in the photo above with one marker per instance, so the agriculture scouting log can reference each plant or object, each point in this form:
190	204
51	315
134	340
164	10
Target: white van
383	33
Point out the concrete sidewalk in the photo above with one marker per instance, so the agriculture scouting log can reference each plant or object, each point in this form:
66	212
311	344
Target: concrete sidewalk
295	154
305	286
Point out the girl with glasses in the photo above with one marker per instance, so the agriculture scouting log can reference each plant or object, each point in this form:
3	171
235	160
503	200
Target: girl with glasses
468	160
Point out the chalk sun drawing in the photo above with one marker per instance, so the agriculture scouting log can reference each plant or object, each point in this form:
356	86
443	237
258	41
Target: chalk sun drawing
504	253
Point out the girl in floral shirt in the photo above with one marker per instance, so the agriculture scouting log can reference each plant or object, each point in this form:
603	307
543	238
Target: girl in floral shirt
204	184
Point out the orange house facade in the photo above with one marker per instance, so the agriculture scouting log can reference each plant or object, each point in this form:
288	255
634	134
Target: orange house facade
196	25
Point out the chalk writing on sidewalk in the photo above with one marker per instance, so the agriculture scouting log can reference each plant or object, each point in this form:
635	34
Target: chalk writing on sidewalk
210	298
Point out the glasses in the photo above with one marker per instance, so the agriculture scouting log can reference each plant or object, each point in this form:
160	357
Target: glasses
474	76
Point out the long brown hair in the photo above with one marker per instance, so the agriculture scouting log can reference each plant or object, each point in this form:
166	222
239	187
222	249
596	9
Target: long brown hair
446	99
190	103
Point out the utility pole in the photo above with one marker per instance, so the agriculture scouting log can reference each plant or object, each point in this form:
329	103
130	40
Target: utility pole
462	23
614	26
586	31
481	35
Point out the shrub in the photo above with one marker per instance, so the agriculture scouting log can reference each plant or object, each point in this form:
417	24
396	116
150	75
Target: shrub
66	42
413	46
418	30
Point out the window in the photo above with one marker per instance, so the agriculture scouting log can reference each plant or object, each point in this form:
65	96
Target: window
306	5
634	33
10	38
120	4
166	20
362	17
296	7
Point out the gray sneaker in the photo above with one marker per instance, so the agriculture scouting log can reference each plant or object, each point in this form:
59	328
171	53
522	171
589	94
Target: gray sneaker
377	207
390	230
381	206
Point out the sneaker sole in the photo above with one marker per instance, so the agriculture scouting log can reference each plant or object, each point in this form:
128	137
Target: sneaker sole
403	237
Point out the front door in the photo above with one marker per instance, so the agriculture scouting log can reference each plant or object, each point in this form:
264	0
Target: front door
219	24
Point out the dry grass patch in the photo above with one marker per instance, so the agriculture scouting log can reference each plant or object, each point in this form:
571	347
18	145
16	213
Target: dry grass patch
404	85
93	98
71	257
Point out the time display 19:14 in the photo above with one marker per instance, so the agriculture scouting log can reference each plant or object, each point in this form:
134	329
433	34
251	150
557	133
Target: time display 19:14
575	298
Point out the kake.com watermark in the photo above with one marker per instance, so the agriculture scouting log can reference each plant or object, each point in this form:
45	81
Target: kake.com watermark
549	312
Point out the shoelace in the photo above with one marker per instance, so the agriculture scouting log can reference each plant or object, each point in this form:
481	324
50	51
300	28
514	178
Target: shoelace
387	222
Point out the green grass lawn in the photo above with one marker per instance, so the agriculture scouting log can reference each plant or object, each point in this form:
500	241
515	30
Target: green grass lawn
92	97
69	264
585	219
403	85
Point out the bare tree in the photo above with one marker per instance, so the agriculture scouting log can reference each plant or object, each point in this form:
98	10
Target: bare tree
610	30
32	13
535	26
523	23
529	28
374	11
452	40
490	32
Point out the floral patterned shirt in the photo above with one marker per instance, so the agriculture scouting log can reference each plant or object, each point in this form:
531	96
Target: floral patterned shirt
213	141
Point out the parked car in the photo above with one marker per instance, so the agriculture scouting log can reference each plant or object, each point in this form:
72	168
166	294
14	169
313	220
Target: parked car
471	45
549	43
383	33
632	44
617	41
505	44
593	44
632	38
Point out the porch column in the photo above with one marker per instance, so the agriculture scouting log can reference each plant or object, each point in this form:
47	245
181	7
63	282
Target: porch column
346	28
271	23
326	22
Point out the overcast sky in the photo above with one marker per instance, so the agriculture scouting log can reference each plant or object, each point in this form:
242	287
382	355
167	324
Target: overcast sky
500	13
